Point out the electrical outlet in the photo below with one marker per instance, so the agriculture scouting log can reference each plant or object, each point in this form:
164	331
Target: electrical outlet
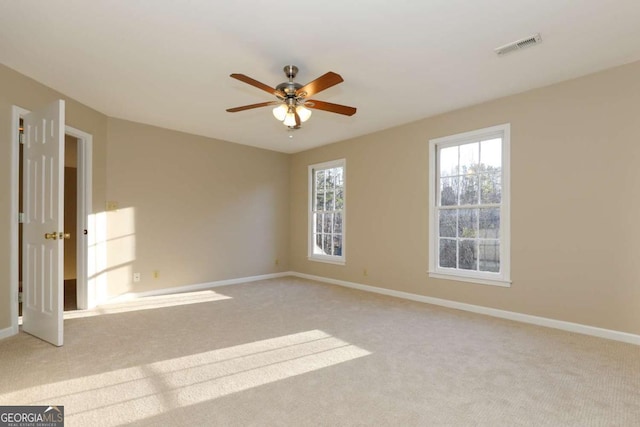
136	277
277	261
112	205
365	273
156	274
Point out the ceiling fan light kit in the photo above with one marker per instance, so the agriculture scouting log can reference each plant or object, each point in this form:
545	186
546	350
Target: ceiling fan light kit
293	108
303	112
283	113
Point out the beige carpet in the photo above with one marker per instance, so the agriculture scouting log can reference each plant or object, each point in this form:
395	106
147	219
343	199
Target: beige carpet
292	352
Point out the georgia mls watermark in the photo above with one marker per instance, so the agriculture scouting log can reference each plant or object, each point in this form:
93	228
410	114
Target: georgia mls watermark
31	416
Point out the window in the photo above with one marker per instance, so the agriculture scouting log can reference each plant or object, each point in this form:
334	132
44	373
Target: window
327	211
469	206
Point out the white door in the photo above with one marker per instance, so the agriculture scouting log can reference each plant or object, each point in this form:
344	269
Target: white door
43	237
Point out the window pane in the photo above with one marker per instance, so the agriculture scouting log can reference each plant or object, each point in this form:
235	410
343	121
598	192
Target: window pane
319	202
449	191
467	257
328	201
320	180
339	177
489	223
490	256
339	195
468	223
448	253
491	188
318	223
326	244
318	246
329	175
448	219
469	190
327	223
469	154
449	161
337	245
337	223
491	154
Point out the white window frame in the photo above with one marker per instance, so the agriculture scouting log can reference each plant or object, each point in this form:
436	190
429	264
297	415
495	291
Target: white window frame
331	259
503	278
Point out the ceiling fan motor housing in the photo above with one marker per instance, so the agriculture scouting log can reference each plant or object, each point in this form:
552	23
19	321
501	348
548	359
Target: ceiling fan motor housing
289	88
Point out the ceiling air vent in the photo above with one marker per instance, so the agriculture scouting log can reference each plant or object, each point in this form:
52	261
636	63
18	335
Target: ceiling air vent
519	44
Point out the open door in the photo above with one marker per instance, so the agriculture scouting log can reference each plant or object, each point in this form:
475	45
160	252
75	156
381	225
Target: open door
42	266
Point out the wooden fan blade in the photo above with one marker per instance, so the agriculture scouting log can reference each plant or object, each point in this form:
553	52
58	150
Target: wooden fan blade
321	83
249	107
259	85
328	106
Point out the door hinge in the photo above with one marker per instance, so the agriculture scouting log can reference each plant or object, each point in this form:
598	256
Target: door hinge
20	217
20	297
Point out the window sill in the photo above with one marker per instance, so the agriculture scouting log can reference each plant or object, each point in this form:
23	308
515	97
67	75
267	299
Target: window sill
478	280
326	260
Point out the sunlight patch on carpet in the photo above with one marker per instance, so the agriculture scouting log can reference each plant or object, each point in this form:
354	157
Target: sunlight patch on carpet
148	303
144	391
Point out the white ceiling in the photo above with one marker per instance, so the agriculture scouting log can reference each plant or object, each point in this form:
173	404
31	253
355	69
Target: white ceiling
167	62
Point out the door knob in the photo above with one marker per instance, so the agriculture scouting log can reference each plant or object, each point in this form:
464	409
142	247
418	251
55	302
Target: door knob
65	236
52	236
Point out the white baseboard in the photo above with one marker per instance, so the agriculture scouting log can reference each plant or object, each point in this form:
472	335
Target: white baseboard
503	314
197	287
8	332
510	315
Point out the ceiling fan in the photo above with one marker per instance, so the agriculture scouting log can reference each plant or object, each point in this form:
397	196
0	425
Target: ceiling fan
293	106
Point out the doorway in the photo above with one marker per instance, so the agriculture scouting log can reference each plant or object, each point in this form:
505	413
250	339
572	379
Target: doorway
70	222
77	207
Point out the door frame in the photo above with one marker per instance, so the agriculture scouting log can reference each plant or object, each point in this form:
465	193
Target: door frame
84	200
84	206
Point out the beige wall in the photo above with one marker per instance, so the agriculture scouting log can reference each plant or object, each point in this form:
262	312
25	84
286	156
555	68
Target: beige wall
199	210
16	89
575	167
192	208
